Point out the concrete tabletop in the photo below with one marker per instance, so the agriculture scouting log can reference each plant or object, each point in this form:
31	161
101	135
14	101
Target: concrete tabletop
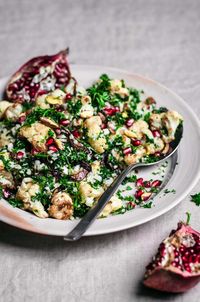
157	38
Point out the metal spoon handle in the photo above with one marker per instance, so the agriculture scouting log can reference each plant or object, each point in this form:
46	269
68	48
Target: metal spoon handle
91	215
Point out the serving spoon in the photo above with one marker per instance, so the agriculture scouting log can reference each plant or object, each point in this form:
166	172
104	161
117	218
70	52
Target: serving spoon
94	212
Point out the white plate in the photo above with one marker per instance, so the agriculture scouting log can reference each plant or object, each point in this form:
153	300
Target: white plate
183	179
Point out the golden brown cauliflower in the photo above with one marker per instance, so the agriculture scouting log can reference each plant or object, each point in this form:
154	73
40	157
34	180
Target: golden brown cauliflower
13	112
26	191
61	207
93	125
36	134
134	158
138	129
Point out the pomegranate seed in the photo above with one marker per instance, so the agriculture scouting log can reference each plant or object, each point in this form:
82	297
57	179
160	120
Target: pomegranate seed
103	126
156	133
145	196
157	154
21	119
58	131
53	148
6	193
68	96
136	142
111	111
76	134
131	204
50	141
138	194
129	122
127	151
64	122
156	183
20	154
139	182
34	151
147	184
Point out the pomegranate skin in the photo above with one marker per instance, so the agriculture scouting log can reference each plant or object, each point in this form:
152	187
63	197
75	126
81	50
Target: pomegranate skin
168	277
168	281
27	83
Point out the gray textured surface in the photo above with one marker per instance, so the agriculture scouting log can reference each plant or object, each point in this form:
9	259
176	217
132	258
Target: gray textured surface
155	38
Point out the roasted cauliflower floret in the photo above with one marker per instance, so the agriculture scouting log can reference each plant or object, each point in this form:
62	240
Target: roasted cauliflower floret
26	192
99	145
3	106
137	130
157	146
56	97
5	156
41	102
98	142
13	112
6	179
116	88
134	158
86	110
36	134
156	120
113	205
87	191
170	121
61	206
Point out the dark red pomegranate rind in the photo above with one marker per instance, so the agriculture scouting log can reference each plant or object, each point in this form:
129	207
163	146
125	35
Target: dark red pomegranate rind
181	270
168	281
25	85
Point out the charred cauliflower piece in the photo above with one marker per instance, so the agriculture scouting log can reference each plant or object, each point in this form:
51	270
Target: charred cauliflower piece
26	191
36	134
61	206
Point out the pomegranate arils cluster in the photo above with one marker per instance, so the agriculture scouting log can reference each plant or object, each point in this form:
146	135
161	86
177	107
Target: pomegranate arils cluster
38	76
176	266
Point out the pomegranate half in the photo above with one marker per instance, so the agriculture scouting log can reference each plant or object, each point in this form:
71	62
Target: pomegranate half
176	266
37	76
